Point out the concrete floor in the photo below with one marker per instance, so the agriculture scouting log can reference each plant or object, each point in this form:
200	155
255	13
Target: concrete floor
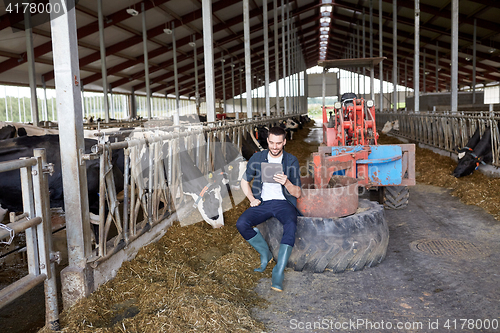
411	290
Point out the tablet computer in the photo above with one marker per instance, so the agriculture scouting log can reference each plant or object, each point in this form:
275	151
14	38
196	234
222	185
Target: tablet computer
269	170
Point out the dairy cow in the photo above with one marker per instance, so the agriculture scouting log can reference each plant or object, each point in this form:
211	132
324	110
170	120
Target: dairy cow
27	129
260	134
206	195
231	164
477	151
249	147
473	141
7	132
10	183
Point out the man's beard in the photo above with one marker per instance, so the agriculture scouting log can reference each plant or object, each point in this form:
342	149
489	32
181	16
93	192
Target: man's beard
279	152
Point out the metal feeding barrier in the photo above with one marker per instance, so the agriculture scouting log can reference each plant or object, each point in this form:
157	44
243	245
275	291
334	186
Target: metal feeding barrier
153	189
447	131
35	222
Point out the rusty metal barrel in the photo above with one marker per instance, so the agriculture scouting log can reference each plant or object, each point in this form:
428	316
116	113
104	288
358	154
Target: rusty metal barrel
336	199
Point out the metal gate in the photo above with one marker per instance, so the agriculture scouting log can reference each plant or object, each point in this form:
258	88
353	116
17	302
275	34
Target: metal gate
446	131
35	222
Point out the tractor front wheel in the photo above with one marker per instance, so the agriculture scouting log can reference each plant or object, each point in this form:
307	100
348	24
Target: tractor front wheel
334	244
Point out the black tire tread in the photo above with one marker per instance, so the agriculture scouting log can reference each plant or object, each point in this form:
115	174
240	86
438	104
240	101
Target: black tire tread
349	243
396	197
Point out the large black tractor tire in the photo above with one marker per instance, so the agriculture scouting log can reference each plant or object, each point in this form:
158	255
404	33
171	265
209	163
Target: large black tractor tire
334	244
396	197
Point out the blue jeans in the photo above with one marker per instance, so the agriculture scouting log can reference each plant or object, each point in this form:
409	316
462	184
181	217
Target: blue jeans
284	211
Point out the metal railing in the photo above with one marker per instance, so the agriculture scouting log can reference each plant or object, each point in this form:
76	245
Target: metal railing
36	223
153	189
447	131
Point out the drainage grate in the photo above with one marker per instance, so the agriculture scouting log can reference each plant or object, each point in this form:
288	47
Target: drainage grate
448	247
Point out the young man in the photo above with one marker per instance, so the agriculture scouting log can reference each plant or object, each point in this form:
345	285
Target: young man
268	199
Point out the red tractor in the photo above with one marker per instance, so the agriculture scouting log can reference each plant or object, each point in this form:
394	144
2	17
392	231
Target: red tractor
352	122
338	231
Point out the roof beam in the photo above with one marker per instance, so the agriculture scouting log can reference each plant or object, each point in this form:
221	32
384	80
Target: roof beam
81	33
218	27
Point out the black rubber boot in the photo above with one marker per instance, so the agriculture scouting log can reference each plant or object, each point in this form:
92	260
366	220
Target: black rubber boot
279	269
259	243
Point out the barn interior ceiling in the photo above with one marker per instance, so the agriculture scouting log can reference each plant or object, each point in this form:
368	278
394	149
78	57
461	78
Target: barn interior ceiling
309	19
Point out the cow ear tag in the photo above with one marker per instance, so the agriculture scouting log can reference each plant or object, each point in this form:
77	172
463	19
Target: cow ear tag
210	175
230	167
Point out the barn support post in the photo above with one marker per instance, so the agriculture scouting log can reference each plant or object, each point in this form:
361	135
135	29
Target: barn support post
276	55
406	82
323	87
111	103
266	57
289	56
77	280
254	85
208	54
241	92
104	70
358	55
31	69
437	71
454	56
364	54
424	74
380	54
388	94
146	61
372	74
416	66
473	63
293	68
133	105
295	71
283	54
196	86
305	85
248	57
222	61
232	84
176	77
84	107
299	70
45	101
395	55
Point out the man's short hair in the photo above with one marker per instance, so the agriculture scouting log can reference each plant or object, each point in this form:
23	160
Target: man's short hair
276	130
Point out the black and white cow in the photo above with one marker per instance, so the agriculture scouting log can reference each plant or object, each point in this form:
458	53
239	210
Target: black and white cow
261	133
10	183
231	164
473	141
304	119
27	129
478	151
7	132
206	194
248	146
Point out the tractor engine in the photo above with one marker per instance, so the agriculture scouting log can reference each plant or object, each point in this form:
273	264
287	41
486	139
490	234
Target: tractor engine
351	122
